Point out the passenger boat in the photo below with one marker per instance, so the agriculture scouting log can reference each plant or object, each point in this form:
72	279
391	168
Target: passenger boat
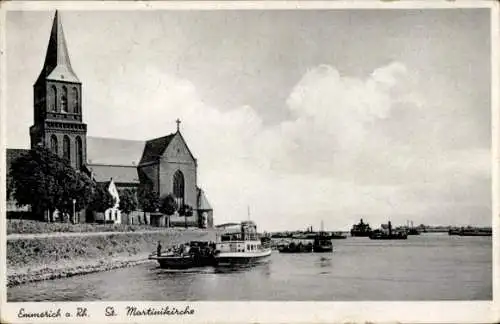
240	245
191	255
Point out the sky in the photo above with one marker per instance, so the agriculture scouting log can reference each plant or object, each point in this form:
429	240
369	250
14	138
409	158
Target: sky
301	115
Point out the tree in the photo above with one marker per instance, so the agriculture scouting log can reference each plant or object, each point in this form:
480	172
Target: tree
186	211
149	201
128	201
47	182
79	187
168	205
101	198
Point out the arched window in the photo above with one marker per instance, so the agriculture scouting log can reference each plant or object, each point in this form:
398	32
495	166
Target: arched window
66	148
53	99
64	99
179	188
76	108
53	144
79	152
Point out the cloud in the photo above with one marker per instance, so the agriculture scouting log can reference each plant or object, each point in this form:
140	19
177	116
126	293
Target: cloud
353	147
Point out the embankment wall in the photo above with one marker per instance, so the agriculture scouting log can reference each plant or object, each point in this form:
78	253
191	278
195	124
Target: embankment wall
33	259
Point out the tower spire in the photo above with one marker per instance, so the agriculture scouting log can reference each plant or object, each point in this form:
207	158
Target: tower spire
57	65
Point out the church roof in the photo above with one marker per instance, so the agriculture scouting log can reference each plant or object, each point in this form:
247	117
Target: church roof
57	65
121	174
155	148
203	203
113	151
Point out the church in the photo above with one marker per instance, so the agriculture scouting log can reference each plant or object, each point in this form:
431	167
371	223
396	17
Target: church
165	165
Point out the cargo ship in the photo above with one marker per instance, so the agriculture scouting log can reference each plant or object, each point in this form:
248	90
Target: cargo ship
361	229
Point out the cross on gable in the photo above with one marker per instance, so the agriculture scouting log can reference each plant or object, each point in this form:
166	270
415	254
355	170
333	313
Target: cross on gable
178	121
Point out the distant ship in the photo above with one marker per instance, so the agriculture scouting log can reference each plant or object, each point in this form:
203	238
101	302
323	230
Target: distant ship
361	229
387	233
320	244
470	231
411	230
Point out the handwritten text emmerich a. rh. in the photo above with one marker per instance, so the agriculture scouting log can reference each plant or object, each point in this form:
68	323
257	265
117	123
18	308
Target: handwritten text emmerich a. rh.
42	314
165	311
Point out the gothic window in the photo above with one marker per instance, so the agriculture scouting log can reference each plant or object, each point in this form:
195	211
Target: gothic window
66	148
179	188
53	144
79	152
64	100
53	99
76	108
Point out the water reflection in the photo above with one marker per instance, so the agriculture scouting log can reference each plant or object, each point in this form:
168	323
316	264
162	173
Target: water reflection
325	264
241	267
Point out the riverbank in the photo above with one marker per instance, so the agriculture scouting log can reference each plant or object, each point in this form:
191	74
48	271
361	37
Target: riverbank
41	258
26	226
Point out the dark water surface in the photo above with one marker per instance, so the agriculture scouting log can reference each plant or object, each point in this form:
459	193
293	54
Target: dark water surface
425	267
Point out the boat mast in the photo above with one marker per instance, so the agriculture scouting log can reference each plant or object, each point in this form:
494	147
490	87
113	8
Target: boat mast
248	212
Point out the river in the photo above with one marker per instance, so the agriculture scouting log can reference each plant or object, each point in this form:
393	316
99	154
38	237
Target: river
425	267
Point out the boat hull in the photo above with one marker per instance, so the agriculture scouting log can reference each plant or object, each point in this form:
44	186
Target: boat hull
234	258
183	262
322	249
360	233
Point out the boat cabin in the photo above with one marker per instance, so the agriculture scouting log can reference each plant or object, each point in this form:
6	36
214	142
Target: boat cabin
240	238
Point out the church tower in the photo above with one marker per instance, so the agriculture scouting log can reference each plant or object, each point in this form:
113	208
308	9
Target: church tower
58	123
